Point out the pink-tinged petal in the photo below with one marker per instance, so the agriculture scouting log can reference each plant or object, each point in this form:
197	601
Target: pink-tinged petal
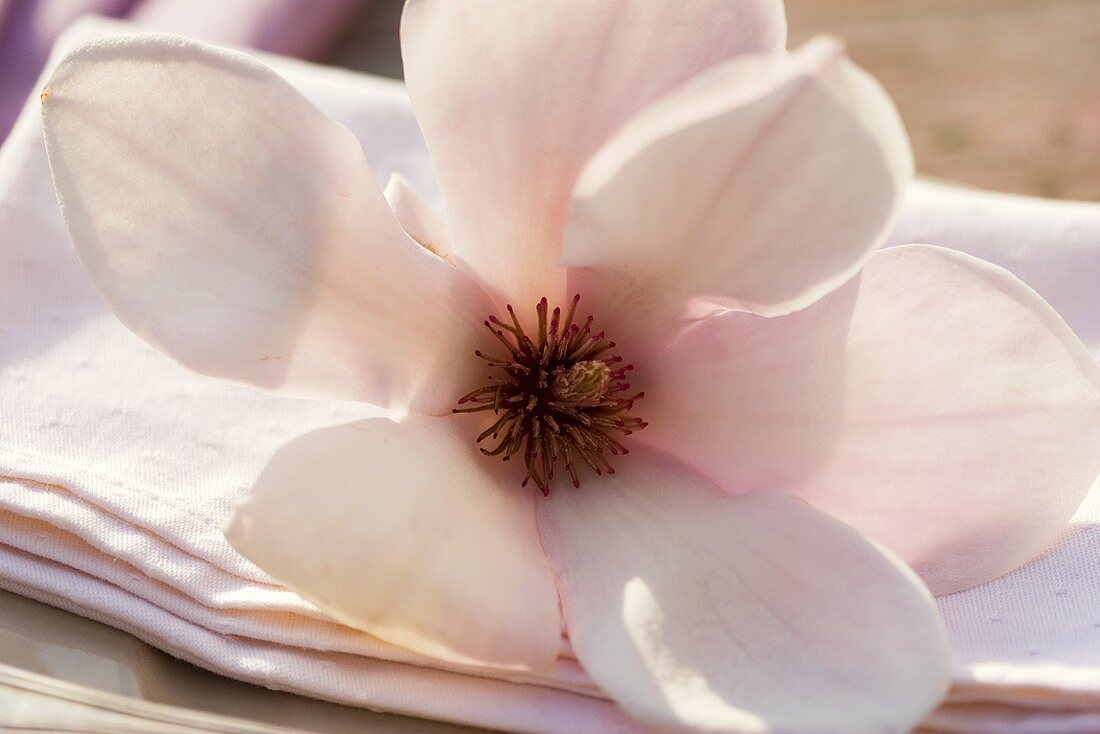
231	224
417	218
513	97
696	610
404	531
763	184
935	403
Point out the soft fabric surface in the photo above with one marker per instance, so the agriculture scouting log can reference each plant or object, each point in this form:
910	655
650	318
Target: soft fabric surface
28	29
119	468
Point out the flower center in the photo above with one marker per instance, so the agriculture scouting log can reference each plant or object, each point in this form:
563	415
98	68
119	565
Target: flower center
559	395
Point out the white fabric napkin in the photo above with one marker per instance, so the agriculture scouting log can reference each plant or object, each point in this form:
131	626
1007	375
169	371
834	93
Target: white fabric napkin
118	468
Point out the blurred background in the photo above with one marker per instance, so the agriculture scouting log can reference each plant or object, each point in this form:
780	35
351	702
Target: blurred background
999	94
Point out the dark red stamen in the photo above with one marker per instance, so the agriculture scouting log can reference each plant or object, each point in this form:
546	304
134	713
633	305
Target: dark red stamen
560	396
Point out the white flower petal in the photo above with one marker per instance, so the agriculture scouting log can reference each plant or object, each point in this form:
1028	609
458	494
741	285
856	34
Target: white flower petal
416	217
934	402
404	530
701	611
513	97
763	184
231	224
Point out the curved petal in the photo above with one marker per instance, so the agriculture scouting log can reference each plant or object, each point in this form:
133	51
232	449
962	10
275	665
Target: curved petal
703	611
935	403
417	218
764	184
235	227
400	529
513	98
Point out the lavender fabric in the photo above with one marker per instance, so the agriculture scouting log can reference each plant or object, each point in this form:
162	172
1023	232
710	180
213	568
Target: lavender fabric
28	28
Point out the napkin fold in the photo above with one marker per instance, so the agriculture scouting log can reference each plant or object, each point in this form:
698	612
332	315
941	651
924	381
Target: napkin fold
118	469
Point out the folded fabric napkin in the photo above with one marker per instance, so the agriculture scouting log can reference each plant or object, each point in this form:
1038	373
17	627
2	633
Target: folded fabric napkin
119	467
293	27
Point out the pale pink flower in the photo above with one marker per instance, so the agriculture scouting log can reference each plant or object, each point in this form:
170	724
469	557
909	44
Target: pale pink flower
717	203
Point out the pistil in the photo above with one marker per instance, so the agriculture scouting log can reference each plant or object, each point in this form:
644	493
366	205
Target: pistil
558	395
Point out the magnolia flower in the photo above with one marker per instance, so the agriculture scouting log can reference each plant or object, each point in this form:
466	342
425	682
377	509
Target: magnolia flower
713	485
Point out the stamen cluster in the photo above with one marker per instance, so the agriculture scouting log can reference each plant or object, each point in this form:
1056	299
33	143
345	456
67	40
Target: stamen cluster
559	395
